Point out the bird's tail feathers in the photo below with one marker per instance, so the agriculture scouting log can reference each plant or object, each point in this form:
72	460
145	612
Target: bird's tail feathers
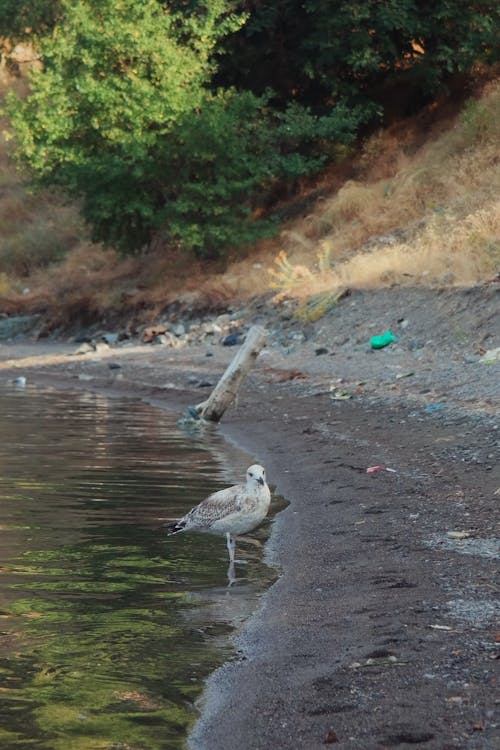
174	527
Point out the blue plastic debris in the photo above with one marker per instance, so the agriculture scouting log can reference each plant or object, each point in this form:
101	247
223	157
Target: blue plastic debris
435	407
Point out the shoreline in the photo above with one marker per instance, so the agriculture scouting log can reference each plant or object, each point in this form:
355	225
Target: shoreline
381	630
339	639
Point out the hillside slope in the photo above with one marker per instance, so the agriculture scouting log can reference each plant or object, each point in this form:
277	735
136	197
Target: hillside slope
416	204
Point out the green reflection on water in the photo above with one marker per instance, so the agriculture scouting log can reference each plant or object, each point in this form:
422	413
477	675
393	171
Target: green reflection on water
107	629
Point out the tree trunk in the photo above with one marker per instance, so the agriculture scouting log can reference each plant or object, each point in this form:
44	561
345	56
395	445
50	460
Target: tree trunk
227	388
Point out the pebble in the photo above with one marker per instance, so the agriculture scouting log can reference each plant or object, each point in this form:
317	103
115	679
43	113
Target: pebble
232	339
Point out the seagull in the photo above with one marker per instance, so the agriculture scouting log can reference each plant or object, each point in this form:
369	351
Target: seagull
230	512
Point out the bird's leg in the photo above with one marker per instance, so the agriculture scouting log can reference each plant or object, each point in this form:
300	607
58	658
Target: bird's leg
231	546
231	575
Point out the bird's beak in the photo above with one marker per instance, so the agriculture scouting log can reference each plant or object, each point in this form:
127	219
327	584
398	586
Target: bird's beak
260	481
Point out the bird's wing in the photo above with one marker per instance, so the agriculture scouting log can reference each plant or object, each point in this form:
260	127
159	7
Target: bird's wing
218	505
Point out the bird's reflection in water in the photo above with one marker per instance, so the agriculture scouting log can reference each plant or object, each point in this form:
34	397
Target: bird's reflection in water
231	574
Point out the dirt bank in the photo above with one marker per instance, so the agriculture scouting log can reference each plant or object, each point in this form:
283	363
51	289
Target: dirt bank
383	628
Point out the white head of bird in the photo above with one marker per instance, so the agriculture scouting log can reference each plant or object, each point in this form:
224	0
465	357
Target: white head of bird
256	477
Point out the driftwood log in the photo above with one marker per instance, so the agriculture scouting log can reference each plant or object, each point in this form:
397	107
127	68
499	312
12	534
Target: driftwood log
227	388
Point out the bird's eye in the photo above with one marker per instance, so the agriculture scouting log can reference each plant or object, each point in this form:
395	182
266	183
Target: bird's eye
250	473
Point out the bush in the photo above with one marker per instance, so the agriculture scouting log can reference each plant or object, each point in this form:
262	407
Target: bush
120	115
318	52
225	161
126	114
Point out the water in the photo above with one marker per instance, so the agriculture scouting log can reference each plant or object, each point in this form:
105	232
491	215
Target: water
108	627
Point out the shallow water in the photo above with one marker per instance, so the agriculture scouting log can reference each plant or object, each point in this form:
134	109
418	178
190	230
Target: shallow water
108	627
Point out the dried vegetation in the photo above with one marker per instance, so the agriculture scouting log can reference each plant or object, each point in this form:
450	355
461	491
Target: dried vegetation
419	204
415	214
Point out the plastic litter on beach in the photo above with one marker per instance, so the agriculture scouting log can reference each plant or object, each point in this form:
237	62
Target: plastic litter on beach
435	407
458	534
384	339
491	356
373	469
339	395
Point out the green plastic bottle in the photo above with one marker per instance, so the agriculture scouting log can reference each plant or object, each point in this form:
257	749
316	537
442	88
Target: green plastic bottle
378	342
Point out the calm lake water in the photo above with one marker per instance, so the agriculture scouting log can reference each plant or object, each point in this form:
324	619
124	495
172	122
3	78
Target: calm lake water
107	627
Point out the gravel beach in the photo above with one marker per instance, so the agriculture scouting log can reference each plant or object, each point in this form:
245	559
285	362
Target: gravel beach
383	628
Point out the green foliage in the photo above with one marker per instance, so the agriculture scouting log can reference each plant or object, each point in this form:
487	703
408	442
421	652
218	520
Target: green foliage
115	83
318	52
25	20
226	160
120	115
132	115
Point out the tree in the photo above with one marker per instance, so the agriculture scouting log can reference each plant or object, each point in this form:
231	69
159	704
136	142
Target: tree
189	115
24	20
317	52
121	116
115	82
226	160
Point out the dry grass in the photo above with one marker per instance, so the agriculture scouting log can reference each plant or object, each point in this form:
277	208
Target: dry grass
433	216
449	250
48	264
423	208
36	229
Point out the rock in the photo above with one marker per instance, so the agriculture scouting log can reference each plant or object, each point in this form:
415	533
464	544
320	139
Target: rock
223	321
209	328
149	334
178	329
85	348
470	359
17	325
458	534
101	346
232	339
166	339
416	344
110	338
